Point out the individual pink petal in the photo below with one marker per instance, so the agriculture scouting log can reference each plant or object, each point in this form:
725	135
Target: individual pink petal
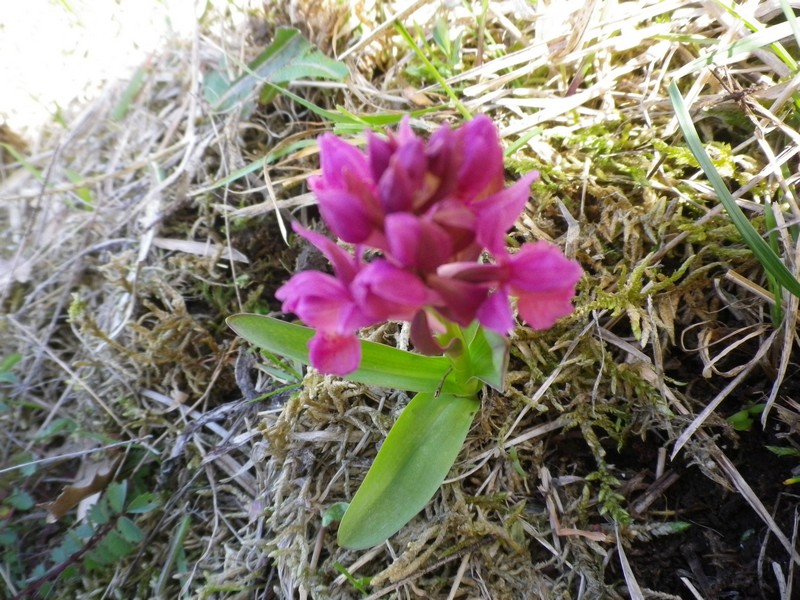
481	170
444	158
334	353
404	132
345	265
460	300
320	300
541	310
474	272
495	313
416	242
544	281
379	152
395	190
404	178
459	222
497	213
345	214
541	267
384	291
341	161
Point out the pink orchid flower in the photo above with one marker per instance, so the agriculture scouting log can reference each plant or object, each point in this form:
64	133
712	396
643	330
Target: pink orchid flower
434	211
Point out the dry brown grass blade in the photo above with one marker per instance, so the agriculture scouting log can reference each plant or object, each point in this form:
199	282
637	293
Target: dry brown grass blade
724	393
634	590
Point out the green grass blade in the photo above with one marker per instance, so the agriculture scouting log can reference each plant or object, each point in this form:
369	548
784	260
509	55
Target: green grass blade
411	465
381	365
791	18
768	259
421	55
771	223
738	50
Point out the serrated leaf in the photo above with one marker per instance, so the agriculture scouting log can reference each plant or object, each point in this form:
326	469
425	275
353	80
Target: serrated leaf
116	545
129	530
410	466
116	495
381	365
99	513
288	58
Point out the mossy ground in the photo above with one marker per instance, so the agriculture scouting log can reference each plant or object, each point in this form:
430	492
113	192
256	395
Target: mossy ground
132	235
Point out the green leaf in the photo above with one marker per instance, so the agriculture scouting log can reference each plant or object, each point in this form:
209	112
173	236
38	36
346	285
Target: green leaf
743	420
99	513
60	426
9	362
8	537
783	451
401	29
768	259
143	503
116	495
20	500
411	465
360	584
116	545
288	58
381	365
488	357
129	94
129	530
334	513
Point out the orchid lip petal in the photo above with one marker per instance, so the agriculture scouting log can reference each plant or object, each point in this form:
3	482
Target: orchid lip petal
334	354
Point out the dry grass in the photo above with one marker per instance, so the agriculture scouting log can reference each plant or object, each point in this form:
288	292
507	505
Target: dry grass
128	241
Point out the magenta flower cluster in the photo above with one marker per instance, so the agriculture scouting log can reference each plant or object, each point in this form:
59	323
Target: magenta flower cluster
437	213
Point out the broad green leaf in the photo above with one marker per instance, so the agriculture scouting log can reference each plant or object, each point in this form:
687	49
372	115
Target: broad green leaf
411	465
488	357
768	259
288	58
381	365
